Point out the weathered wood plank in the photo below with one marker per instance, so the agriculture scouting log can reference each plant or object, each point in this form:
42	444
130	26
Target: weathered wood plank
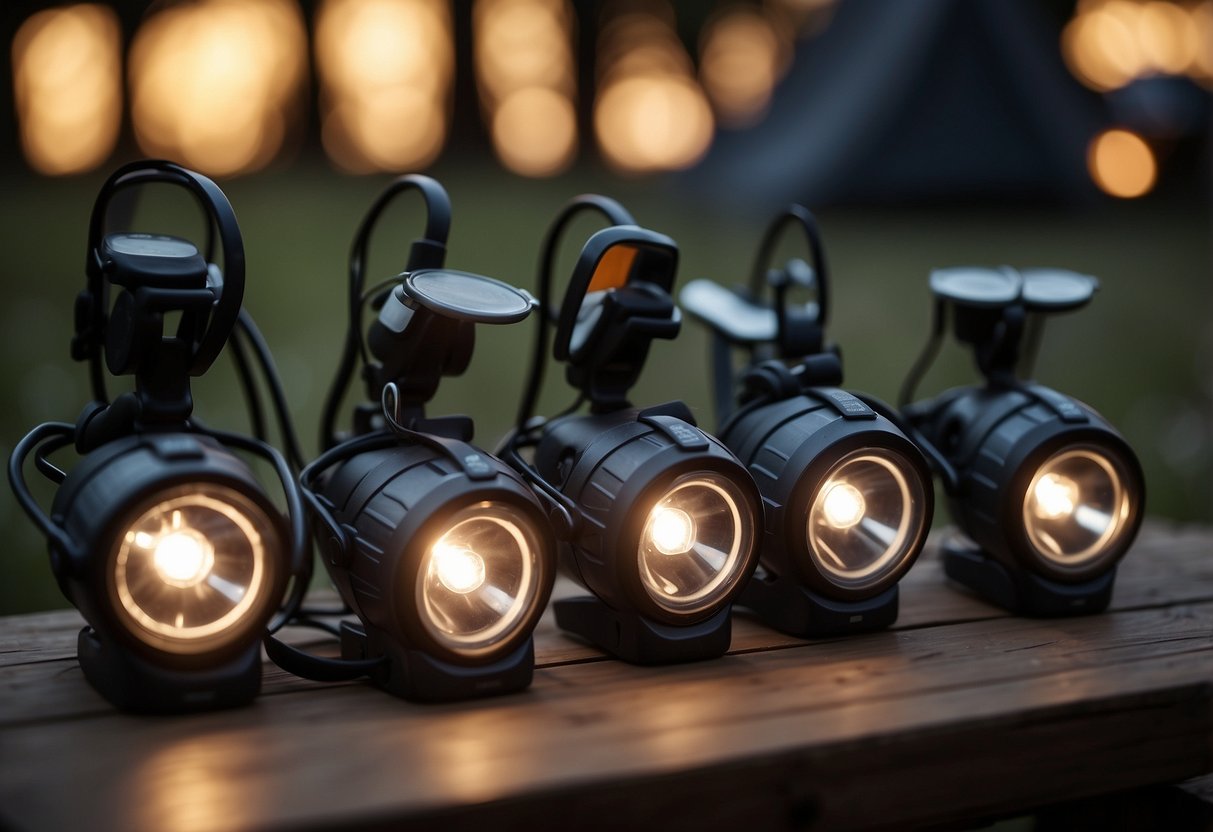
1078	701
960	712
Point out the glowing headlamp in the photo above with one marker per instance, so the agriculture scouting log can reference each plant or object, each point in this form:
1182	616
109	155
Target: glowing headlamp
1048	493
440	549
847	495
656	518
161	536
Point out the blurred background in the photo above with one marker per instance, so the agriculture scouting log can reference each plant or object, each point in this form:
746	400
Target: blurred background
924	133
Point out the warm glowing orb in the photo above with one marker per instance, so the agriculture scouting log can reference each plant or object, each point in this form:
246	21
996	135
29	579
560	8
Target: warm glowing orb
843	505
459	569
67	85
183	558
672	530
1056	496
1122	164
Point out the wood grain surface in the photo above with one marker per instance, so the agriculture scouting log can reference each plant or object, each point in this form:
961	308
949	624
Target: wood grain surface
960	712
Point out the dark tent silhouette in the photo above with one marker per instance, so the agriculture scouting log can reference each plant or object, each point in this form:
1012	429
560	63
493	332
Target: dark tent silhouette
917	101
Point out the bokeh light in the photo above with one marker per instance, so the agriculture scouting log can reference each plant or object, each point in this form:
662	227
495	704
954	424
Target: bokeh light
1110	43
651	114
67	86
385	69
216	84
742	56
1122	164
525	74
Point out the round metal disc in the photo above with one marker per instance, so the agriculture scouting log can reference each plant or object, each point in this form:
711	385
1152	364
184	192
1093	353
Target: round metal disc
1057	289
467	296
151	245
975	286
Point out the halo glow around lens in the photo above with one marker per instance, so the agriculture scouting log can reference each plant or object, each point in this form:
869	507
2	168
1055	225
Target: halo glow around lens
479	580
696	542
1076	507
193	569
866	517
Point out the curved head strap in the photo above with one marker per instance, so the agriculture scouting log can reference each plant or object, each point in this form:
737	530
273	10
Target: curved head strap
91	322
793	215
615	215
427	252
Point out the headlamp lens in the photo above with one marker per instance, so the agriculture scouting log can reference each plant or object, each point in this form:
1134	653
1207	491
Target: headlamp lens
695	543
866	517
194	568
480	579
1077	507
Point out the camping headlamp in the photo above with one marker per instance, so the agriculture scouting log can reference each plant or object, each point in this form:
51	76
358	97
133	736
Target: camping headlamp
161	536
1049	495
847	495
440	549
655	517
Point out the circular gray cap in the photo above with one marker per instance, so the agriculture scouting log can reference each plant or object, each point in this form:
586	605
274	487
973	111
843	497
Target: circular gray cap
1057	289
468	297
976	286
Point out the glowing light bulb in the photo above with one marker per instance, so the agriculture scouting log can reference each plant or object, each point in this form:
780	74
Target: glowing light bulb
183	558
1056	496
672	530
843	506
459	569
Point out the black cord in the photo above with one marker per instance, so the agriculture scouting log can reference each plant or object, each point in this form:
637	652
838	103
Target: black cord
59	434
927	357
615	214
302	619
1035	329
247	327
939	462
379	288
47	468
429	251
252	398
320	612
301	546
721	361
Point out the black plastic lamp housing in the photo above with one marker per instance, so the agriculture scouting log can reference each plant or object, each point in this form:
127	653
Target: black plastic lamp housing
161	536
448	569
440	549
1048	495
847	496
656	518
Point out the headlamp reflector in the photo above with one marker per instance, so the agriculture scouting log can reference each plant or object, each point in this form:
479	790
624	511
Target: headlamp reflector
481	578
695	543
1076	506
192	568
865	518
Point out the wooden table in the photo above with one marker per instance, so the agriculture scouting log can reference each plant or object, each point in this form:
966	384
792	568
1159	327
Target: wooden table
961	712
